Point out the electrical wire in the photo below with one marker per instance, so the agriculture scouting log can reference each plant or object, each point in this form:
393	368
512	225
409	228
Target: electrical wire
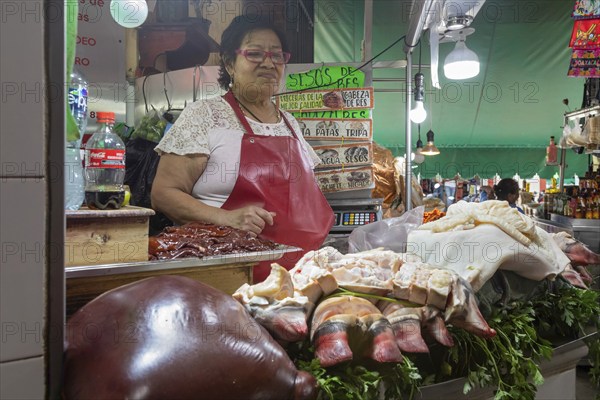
349	73
420	52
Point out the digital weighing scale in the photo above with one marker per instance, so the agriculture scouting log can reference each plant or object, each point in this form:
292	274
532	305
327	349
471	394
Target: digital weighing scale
352	213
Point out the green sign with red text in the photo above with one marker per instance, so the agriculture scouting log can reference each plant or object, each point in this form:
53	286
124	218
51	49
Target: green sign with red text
326	77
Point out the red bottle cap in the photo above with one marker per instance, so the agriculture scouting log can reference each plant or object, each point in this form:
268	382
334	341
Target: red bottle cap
105	116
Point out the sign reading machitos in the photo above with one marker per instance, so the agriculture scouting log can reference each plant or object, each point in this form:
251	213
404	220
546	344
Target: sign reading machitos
336	129
338	99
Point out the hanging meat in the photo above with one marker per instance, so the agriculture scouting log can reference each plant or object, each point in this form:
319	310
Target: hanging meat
171	337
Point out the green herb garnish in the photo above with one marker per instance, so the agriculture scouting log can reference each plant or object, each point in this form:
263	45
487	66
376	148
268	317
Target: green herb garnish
526	331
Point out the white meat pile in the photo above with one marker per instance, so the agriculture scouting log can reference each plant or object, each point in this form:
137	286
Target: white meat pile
378	303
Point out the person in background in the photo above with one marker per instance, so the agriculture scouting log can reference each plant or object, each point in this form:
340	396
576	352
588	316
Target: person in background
487	193
508	189
238	160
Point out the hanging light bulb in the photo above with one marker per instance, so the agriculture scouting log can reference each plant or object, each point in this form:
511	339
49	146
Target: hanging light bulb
417	158
418	114
430	149
129	13
461	63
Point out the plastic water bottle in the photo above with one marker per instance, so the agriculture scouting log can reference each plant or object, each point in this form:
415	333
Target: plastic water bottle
78	99
105	166
74	178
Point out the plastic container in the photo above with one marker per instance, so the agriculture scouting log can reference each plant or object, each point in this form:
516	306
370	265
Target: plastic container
78	100
105	166
74	178
73	171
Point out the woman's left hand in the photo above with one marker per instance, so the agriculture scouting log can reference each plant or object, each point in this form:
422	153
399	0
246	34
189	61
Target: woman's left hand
250	218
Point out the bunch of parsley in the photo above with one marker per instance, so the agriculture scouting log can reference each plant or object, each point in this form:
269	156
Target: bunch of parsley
508	362
360	380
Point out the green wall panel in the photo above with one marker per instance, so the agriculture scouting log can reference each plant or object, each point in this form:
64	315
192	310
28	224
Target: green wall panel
515	103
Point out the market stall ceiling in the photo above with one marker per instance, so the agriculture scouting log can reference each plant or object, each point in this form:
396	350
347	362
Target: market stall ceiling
515	101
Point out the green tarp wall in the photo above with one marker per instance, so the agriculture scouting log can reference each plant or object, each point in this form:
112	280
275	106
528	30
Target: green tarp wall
499	121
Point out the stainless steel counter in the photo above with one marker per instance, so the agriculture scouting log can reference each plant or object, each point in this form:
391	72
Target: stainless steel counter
586	231
167	265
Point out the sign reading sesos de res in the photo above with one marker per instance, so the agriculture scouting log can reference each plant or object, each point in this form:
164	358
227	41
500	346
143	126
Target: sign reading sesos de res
329	77
338	99
336	129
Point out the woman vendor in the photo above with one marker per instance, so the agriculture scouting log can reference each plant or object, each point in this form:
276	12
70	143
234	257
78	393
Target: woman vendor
238	160
508	189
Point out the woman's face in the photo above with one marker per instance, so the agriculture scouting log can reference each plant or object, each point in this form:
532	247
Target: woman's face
512	197
257	79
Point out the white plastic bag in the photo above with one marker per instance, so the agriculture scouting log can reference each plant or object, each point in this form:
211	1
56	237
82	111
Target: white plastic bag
391	233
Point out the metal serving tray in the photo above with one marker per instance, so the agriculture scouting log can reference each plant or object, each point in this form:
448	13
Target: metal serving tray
142	266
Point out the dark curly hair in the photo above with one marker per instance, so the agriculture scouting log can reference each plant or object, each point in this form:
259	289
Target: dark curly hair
233	35
505	187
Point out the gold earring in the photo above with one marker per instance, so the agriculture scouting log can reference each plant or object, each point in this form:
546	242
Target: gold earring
230	81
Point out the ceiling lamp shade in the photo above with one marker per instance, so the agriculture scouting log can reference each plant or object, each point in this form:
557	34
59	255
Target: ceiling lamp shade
457	22
461	63
430	149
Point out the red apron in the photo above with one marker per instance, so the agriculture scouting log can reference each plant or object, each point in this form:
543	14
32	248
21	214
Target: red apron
275	176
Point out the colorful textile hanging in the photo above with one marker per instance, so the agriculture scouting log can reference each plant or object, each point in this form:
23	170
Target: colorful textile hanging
585	40
585	63
586	34
586	9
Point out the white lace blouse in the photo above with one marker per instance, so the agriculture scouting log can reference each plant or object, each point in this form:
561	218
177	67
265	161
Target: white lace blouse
210	127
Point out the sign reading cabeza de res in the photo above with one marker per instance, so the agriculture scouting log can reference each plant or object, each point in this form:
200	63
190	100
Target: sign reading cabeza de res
338	99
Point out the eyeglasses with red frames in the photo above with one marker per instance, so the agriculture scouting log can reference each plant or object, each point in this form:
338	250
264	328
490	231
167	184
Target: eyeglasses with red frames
258	56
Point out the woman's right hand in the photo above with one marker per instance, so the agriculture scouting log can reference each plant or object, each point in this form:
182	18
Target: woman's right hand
249	218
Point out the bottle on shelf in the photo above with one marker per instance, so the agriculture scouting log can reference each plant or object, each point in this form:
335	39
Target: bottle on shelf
589	211
567	210
105	166
551	152
579	210
74	177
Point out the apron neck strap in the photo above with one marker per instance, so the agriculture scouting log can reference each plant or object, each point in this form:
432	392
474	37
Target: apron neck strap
230	98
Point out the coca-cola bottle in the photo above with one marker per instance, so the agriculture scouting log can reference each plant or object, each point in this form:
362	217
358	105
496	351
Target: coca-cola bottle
104	166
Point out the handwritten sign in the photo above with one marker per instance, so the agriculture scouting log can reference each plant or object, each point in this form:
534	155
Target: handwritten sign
345	179
341	114
332	77
336	129
339	99
98	35
346	155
